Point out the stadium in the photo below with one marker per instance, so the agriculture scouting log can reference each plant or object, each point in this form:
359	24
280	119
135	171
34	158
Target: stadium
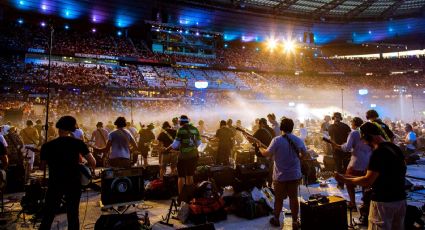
223	108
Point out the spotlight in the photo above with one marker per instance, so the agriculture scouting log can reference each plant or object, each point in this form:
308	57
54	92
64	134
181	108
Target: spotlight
43	7
43	24
93	30
291	104
289	46
21	3
271	43
197	33
66	27
20	21
94	19
119	33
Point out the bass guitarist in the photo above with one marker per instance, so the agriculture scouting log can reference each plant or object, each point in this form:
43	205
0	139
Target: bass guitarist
62	155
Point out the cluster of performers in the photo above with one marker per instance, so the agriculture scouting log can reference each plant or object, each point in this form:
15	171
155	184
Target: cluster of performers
364	155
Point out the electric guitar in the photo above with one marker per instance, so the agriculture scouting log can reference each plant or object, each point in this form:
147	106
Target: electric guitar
251	137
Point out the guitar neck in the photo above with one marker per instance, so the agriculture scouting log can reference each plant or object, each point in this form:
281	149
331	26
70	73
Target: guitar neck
252	137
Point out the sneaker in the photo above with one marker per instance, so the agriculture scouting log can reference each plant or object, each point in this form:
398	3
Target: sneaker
274	222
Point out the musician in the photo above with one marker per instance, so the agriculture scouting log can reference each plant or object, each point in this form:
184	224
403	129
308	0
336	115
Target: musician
225	143
99	137
146	138
338	132
285	150
324	129
239	135
360	155
386	175
275	125
14	147
39	127
187	141
62	155
3	156
165	138
373	117
30	138
119	142
264	134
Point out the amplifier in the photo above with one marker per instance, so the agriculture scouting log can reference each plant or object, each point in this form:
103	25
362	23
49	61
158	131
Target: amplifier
223	175
151	172
122	186
331	215
329	163
250	175
244	156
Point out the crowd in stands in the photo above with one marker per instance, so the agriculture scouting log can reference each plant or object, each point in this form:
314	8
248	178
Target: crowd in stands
17	36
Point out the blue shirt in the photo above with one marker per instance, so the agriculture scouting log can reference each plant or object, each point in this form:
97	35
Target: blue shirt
120	140
360	152
287	165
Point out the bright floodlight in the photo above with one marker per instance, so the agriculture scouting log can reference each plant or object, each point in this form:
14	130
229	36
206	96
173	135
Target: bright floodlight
291	104
372	105
289	46
201	84
271	43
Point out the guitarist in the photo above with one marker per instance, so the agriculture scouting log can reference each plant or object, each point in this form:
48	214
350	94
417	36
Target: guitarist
62	155
100	137
30	138
166	138
226	141
287	151
264	134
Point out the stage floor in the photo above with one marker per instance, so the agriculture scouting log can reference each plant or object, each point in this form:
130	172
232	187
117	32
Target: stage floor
90	209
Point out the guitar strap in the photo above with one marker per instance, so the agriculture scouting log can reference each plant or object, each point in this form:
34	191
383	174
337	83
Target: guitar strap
292	144
168	134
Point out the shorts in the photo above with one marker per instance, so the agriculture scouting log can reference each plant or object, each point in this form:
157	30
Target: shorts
387	215
283	189
186	167
168	159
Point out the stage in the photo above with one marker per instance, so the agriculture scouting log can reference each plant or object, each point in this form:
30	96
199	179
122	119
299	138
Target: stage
90	209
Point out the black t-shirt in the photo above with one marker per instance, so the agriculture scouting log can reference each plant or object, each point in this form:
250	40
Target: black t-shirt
165	139
339	132
225	136
2	149
385	127
388	161
265	136
62	155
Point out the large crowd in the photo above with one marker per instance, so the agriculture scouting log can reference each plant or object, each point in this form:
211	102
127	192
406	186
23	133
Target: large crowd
21	37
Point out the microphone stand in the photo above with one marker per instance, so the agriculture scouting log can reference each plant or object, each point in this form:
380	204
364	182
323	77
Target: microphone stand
46	127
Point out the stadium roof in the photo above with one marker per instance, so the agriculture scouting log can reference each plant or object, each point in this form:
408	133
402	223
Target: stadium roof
340	10
354	21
